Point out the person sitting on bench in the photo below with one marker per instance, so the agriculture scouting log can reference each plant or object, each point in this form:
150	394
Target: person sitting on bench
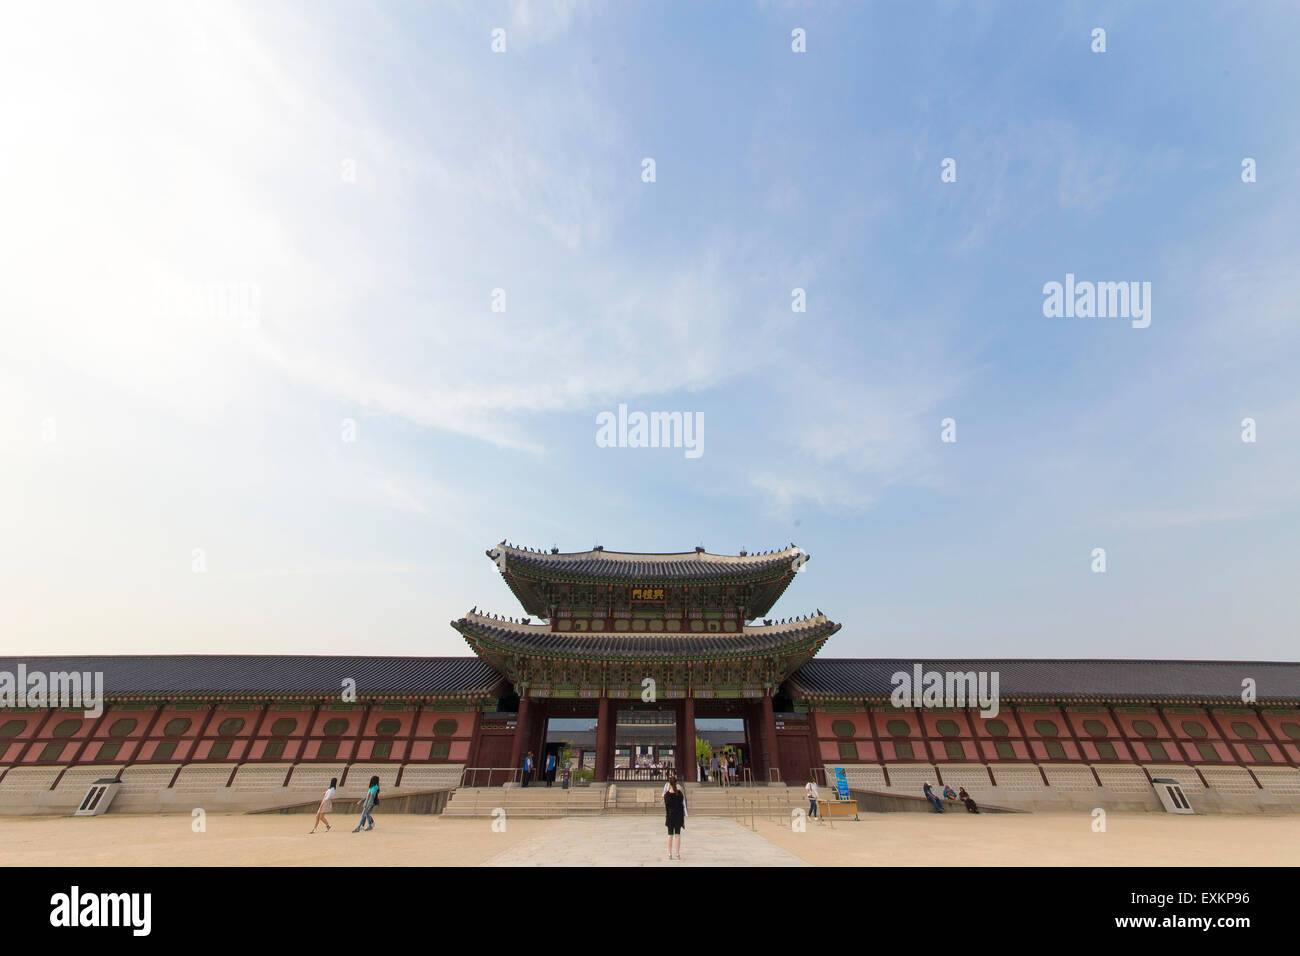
934	801
968	800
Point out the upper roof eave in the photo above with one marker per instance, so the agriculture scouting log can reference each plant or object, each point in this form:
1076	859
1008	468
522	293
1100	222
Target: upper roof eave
686	567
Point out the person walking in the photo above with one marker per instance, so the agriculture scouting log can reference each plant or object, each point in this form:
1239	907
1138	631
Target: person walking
550	769
326	805
810	789
674	815
368	806
733	768
713	768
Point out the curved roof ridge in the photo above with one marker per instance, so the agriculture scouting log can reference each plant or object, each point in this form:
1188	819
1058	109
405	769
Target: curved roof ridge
787	623
505	622
604	554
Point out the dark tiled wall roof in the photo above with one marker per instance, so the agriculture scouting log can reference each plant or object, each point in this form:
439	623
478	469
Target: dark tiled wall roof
182	676
1132	680
239	675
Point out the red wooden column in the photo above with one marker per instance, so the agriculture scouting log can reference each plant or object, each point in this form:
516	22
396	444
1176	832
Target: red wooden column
753	752
539	713
771	758
604	739
686	766
521	735
475	738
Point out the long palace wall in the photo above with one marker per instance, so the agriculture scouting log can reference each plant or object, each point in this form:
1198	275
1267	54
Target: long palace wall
1045	734
227	755
1061	757
232	755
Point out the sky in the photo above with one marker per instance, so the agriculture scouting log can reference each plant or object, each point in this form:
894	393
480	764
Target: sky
259	393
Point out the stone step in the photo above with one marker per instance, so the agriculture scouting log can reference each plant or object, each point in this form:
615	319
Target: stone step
628	799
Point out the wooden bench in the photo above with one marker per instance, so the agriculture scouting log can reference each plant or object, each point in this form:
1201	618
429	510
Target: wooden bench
828	808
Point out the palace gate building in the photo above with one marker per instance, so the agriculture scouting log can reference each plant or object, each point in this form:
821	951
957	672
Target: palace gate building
645	647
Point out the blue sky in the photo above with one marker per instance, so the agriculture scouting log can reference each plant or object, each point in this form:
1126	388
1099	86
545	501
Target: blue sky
373	176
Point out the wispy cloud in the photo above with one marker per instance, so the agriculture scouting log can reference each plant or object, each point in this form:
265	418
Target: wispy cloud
544	21
377	195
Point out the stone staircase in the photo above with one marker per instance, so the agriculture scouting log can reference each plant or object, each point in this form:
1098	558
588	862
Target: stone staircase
526	801
626	798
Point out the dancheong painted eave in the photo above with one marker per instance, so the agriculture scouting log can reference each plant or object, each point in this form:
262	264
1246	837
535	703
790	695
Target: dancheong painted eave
1047	681
539	640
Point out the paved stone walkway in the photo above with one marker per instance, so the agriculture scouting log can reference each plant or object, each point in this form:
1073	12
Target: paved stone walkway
642	841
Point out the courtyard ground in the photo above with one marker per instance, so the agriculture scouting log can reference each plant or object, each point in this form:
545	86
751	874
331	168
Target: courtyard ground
896	839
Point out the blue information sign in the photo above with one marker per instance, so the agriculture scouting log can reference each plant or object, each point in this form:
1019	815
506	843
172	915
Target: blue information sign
841	783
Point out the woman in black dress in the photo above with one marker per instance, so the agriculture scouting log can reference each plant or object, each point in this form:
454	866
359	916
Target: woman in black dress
674	814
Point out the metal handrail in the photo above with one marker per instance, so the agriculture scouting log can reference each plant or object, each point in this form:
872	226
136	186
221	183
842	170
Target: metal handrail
736	806
469	774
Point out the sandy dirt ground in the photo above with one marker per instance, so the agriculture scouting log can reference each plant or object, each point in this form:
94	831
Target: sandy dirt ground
234	839
1044	839
897	839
